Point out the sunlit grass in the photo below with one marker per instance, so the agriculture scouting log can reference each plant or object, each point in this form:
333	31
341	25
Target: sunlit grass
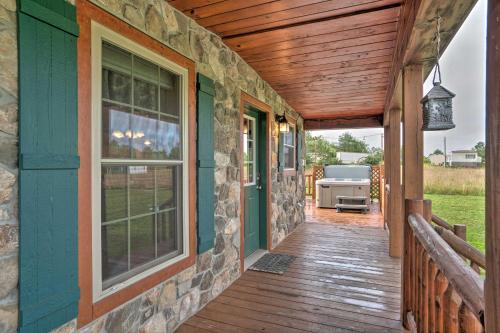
458	181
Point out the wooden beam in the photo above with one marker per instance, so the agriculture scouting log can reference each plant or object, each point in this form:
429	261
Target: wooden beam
413	137
387	169
339	123
395	197
492	284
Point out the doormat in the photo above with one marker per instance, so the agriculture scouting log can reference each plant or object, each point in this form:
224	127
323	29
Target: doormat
275	263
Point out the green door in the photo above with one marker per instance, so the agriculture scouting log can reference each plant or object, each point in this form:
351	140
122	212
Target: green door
252	176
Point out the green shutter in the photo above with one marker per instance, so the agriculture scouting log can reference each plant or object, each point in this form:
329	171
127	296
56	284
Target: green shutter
299	148
206	163
281	152
48	165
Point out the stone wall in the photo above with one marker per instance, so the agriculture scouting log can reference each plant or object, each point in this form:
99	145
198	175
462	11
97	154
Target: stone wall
165	306
8	167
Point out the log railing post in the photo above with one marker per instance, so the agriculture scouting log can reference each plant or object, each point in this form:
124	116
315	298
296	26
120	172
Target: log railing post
408	277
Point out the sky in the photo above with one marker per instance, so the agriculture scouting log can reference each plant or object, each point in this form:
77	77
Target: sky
463	69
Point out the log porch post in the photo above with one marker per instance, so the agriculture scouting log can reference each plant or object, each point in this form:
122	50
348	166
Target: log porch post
413	137
387	173
395	200
492	284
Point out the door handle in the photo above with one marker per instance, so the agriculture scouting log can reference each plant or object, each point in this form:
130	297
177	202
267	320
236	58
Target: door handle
258	186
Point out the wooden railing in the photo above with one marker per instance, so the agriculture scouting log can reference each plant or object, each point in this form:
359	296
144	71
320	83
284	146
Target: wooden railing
441	293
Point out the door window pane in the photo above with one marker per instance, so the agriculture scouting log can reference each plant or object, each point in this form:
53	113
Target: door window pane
248	150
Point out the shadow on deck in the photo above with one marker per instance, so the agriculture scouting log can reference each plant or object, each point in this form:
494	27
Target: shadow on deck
342	280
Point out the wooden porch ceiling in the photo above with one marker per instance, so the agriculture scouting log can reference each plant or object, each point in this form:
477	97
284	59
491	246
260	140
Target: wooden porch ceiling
327	58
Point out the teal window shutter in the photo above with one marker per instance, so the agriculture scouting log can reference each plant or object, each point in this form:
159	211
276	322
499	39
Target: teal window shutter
48	165
281	152
299	149
205	164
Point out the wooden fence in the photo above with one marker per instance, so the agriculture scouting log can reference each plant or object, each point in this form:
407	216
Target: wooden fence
441	292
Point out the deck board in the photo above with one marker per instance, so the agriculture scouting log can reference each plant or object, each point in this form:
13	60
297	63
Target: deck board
343	280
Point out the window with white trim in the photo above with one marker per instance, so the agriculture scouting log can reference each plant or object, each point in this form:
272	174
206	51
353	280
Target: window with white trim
289	147
140	162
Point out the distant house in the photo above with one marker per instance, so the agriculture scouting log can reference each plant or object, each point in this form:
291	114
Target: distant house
351	158
436	159
464	158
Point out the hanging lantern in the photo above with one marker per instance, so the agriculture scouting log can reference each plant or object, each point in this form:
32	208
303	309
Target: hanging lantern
437	104
282	123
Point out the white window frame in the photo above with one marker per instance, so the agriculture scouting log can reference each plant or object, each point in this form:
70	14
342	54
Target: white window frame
254	140
99	34
294	146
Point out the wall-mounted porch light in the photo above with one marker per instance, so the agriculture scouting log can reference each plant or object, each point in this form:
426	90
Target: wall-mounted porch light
284	127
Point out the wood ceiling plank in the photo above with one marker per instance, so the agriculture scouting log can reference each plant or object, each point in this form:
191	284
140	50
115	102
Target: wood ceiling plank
224	7
325	60
381	79
324	54
337	80
321	47
323	39
335	88
185	5
313	29
321	79
299	15
318	69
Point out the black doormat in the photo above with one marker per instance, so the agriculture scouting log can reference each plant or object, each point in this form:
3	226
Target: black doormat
275	263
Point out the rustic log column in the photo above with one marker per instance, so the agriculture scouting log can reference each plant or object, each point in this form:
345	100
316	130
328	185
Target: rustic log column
395	197
413	137
492	284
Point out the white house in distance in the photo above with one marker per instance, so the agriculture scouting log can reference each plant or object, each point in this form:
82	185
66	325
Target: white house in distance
464	158
351	158
436	159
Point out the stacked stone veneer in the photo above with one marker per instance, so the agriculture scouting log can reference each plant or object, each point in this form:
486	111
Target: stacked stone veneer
164	307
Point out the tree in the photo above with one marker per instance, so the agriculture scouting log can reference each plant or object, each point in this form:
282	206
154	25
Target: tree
438	152
349	143
319	151
480	149
375	158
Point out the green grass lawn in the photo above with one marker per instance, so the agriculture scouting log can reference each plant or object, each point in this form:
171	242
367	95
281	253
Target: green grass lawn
462	209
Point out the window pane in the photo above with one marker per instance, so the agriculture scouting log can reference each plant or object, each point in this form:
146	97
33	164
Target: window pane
169	93
114	249
142	240
289	158
142	190
169	139
116	133
167	232
249	173
166	190
290	137
145	94
113	193
116	86
144	129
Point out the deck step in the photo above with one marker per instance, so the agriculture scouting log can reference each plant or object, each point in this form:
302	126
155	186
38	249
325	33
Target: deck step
351	206
348	197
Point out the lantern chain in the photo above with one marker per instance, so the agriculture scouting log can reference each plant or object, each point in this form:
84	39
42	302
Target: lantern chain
438	47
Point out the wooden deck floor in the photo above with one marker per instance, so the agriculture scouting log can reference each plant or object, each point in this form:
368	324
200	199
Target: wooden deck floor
341	281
